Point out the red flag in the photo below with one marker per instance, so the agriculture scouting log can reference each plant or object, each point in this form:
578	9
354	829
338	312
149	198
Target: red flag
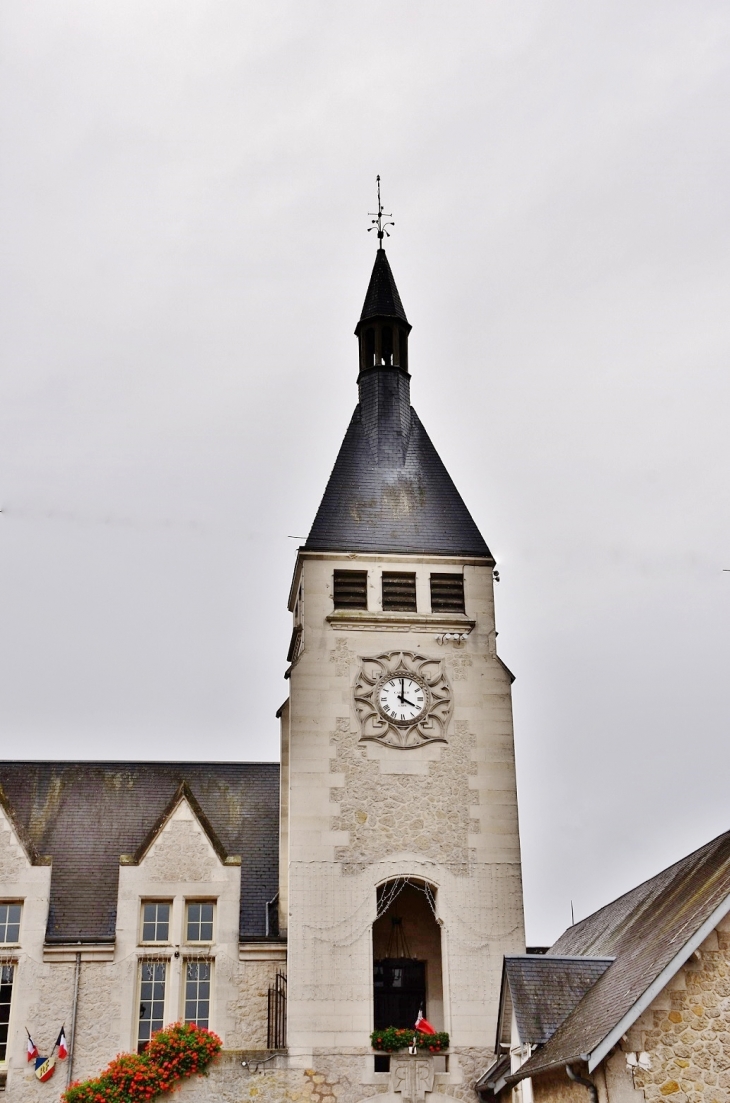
61	1043
424	1025
32	1047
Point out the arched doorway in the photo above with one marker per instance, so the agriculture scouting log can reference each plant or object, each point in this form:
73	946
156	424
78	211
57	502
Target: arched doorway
407	971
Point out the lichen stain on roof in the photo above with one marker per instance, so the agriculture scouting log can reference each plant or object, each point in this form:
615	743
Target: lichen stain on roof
544	990
404	496
360	510
411	506
45	802
85	815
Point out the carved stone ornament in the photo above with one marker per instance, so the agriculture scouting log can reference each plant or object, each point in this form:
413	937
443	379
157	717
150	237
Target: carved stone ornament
412	1077
378	688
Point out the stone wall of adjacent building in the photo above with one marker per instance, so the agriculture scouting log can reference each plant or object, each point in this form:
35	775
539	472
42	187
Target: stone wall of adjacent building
679	1048
686	1030
555	1087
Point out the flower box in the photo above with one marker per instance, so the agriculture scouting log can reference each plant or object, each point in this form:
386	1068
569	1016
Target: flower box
393	1038
181	1050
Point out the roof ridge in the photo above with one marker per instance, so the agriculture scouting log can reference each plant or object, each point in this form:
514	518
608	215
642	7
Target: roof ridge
560	957
642	884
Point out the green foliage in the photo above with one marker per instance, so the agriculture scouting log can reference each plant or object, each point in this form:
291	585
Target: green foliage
393	1038
173	1053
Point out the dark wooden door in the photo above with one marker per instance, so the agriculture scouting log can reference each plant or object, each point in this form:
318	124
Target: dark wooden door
400	991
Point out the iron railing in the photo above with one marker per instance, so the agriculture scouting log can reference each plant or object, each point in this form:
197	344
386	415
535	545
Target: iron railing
276	1032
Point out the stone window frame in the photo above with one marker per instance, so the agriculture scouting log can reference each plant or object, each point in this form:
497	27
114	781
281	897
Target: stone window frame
209	961
142	941
200	900
4	924
12	965
141	1044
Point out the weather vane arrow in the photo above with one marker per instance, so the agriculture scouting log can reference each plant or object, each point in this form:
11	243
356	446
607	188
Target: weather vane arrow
377	219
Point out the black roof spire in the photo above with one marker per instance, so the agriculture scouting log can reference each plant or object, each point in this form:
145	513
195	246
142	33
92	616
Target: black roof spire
389	490
382	299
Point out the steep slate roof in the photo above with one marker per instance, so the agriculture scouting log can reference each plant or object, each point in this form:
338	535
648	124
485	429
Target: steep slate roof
382	299
86	814
648	930
389	490
406	506
544	990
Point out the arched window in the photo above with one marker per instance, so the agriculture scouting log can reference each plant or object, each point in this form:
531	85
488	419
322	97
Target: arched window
407	973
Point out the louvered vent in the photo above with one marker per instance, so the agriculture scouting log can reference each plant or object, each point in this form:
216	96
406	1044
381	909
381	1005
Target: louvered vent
447	593
351	589
399	591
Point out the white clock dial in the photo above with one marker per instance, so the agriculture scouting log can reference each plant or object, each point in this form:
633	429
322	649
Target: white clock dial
402	699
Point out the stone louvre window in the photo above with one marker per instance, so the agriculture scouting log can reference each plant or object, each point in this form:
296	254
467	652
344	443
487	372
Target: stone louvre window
350	589
447	593
399	591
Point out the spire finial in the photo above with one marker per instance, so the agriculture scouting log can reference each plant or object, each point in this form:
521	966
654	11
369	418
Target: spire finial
378	220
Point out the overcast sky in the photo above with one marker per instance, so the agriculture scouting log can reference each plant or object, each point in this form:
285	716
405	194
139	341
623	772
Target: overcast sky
184	192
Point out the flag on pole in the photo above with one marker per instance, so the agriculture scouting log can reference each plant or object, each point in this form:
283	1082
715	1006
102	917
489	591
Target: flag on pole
32	1047
423	1024
61	1043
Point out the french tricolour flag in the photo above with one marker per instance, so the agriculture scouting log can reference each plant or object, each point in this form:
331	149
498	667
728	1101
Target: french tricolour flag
424	1025
32	1048
61	1043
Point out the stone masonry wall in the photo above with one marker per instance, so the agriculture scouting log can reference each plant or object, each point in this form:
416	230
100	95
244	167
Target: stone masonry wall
247	1007
50	994
686	1031
428	813
555	1087
99	1014
334	1078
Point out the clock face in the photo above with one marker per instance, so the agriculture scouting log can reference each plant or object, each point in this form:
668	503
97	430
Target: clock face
402	699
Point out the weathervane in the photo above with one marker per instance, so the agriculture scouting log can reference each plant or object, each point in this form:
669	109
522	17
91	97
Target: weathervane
378	219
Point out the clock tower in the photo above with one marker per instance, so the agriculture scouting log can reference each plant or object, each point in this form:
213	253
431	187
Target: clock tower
400	884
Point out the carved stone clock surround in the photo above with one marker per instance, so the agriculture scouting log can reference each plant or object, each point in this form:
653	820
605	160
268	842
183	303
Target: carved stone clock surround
430	727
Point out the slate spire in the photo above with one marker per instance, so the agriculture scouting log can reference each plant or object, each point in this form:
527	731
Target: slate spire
389	490
382	299
383	329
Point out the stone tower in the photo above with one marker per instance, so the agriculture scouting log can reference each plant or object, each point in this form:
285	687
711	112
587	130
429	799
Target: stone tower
400	884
